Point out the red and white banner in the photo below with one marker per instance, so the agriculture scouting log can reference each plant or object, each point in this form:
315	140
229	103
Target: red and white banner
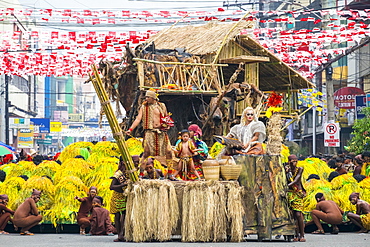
71	53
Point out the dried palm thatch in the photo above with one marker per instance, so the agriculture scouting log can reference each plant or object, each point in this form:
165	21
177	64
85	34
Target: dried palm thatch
275	140
204	216
208	208
198	40
152	211
235	211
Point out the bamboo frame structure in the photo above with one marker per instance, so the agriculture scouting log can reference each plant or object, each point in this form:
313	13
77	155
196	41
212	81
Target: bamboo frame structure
113	123
204	77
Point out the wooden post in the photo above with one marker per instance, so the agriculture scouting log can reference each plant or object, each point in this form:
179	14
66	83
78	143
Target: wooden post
140	73
113	123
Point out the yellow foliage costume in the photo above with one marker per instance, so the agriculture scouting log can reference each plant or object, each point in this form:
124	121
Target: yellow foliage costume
365	220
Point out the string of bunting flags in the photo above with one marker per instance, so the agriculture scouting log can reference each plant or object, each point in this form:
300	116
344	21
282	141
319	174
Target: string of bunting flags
107	16
70	53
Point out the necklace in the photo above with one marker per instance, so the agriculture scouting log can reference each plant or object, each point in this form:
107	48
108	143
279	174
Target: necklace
295	173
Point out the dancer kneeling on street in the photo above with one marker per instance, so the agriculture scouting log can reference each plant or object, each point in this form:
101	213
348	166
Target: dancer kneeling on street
100	220
27	214
185	151
328	211
362	216
83	219
5	213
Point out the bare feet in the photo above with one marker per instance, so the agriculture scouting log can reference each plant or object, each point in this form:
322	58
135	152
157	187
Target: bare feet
302	239
363	231
119	240
335	230
4	232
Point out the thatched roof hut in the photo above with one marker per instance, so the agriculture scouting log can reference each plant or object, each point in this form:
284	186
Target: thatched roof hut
262	67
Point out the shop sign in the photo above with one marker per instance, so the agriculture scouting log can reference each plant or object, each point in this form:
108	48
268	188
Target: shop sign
345	97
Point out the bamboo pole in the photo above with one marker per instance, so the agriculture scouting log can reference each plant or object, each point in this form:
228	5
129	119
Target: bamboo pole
300	115
226	36
113	123
179	63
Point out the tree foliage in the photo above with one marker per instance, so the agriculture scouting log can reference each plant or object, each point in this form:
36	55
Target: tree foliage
361	135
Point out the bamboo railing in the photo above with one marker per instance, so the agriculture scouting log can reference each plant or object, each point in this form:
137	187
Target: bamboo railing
179	76
113	123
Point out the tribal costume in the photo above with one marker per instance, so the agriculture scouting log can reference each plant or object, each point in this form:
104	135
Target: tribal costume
100	221
156	142
187	173
295	199
365	220
4	216
83	219
295	196
27	215
118	200
197	159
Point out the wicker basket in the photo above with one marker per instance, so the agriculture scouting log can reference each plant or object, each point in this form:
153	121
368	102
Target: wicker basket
211	172
210	162
231	172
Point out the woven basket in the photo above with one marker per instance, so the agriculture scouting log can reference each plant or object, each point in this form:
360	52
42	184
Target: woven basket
211	172
210	162
231	172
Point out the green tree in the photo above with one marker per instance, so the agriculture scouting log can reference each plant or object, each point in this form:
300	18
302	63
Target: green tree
361	135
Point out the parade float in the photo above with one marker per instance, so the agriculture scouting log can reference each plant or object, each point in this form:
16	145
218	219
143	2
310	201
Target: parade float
225	72
214	72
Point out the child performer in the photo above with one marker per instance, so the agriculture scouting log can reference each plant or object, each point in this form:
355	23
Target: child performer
118	200
4	213
100	221
27	214
83	219
185	150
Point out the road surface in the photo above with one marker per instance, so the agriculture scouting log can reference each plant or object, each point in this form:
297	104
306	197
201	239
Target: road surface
76	240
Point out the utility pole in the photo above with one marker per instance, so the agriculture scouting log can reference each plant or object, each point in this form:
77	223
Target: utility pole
329	80
6	109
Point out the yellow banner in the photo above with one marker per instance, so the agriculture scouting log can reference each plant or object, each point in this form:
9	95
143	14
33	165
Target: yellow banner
55	126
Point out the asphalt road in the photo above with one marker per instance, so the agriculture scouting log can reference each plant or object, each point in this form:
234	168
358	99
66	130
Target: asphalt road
75	240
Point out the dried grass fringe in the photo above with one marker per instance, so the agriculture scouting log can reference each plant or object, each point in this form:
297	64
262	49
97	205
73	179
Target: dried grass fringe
235	212
152	211
208	208
204	216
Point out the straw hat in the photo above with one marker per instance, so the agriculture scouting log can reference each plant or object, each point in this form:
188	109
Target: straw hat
33	151
151	94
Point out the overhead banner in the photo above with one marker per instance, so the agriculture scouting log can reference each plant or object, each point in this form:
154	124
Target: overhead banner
25	138
41	125
331	135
